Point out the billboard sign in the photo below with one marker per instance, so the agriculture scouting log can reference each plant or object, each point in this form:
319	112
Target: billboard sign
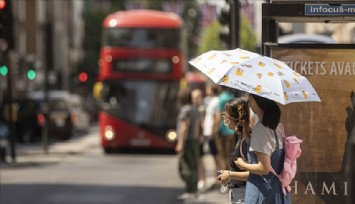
329	10
326	126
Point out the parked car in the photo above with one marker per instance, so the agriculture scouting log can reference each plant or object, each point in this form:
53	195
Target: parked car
59	120
80	117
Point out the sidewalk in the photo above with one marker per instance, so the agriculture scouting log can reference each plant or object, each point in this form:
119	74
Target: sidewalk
211	195
31	153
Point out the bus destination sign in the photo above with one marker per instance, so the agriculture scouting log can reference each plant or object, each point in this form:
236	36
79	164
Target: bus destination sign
329	10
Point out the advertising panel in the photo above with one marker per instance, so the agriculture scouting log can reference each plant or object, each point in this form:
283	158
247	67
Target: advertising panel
325	127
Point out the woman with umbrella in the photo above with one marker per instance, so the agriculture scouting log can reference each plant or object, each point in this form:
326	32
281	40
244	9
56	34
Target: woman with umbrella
265	152
268	81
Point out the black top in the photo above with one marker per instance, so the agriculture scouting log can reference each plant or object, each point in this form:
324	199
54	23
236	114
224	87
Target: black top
240	150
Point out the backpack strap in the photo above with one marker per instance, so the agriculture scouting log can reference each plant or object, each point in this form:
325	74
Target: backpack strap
277	147
282	130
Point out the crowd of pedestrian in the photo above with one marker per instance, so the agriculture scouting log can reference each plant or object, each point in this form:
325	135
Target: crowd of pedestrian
201	130
242	133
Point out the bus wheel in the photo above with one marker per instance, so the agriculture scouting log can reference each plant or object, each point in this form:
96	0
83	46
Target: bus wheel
108	150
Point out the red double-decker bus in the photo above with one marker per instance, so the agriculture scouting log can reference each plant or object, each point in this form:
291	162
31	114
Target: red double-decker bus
141	65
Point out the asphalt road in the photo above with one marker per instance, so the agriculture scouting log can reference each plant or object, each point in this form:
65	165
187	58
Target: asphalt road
78	173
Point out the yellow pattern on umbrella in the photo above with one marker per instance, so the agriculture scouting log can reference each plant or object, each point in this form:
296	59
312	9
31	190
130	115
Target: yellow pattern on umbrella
258	89
278	66
271	74
211	71
212	57
261	64
240	68
286	96
225	79
239	72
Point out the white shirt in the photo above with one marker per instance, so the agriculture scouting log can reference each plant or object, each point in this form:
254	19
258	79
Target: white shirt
263	140
211	110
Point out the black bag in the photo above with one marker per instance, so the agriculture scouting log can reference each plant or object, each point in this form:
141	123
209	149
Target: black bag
240	150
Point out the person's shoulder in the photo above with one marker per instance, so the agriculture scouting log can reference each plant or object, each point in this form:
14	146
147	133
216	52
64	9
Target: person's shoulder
225	96
186	108
214	100
260	129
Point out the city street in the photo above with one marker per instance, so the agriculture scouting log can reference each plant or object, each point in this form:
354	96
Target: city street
78	172
89	177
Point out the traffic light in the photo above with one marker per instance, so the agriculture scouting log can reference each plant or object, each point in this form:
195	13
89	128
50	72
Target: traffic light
31	74
83	77
225	20
229	18
2	4
3	70
31	71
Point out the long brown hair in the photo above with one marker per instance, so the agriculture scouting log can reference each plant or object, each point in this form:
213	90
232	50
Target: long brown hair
237	109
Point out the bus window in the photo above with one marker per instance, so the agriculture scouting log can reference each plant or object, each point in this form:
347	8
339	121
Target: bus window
142	65
148	103
141	37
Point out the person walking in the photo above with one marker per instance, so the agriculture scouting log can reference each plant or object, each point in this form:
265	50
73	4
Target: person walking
197	101
236	112
211	125
265	152
227	138
187	147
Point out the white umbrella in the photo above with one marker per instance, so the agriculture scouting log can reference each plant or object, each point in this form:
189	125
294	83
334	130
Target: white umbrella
255	74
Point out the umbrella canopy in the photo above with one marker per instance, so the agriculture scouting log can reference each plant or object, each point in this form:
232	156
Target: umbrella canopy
255	74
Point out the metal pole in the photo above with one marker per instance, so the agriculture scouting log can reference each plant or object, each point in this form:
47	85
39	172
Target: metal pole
47	55
9	111
269	29
235	23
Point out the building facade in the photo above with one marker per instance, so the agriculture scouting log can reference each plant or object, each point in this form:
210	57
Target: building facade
47	35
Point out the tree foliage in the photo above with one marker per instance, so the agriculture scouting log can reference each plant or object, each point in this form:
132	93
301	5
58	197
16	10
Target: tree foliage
210	37
247	35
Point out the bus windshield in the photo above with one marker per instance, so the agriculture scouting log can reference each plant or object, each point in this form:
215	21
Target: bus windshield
141	37
147	104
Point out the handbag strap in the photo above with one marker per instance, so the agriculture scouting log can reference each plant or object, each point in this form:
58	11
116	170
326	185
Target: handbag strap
241	149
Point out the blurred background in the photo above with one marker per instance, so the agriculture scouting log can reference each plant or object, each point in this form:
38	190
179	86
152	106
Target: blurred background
100	76
54	54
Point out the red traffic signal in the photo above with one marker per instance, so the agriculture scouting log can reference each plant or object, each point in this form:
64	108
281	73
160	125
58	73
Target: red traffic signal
2	4
83	77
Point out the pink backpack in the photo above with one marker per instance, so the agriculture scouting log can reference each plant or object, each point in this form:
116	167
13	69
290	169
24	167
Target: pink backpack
292	147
